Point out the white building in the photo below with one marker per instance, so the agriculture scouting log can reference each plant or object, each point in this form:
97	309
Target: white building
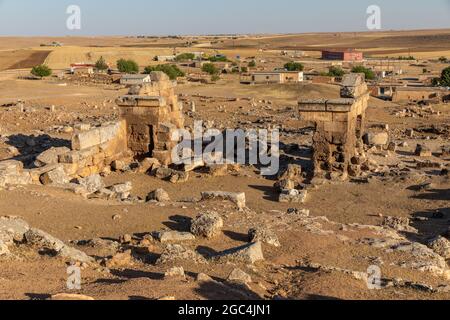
135	79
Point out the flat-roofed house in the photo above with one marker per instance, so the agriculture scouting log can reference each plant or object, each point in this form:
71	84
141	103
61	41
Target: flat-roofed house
277	77
135	79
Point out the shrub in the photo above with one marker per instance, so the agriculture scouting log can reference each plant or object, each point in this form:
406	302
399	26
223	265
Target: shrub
335	72
445	77
172	71
185	57
293	66
101	64
252	64
210	68
127	66
244	69
218	58
41	70
370	75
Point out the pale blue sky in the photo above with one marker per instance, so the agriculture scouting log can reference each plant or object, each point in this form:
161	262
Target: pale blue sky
149	17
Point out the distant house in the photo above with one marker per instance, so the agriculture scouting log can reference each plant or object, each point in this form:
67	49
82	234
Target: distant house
343	55
82	68
165	58
277	77
135	79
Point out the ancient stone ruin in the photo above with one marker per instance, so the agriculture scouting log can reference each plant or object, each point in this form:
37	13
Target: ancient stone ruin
152	114
339	125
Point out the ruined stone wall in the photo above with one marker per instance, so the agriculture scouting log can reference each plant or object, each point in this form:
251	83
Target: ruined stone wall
152	114
339	125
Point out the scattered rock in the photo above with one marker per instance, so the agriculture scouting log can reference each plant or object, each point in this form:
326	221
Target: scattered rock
12	229
441	246
175	272
176	252
70	297
423	151
293	196
249	253
376	139
207	225
174	236
55	176
119	260
159	195
237	198
4	250
263	235
92	183
239	276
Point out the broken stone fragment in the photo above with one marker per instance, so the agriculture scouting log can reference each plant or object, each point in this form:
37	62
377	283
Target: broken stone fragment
119	260
293	196
122	187
263	235
50	156
159	195
441	246
92	184
376	139
175	272
12	229
207	225
397	223
55	176
239	276
176	252
70	297
237	198
44	240
423	151
291	178
193	164
174	236
148	164
218	170
249	253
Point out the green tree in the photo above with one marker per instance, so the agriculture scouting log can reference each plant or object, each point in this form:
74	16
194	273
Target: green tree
252	64
443	59
218	58
41	70
445	77
101	64
294	66
170	69
210	68
185	57
127	66
370	75
335	72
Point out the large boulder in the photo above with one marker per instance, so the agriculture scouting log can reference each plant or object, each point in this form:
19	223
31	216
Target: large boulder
92	183
50	156
207	225
249	254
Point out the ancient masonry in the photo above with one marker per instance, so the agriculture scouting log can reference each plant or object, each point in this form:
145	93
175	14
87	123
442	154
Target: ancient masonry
149	115
339	127
152	114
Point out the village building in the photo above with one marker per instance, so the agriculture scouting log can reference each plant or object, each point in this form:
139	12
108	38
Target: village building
165	58
276	77
135	79
82	68
343	55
